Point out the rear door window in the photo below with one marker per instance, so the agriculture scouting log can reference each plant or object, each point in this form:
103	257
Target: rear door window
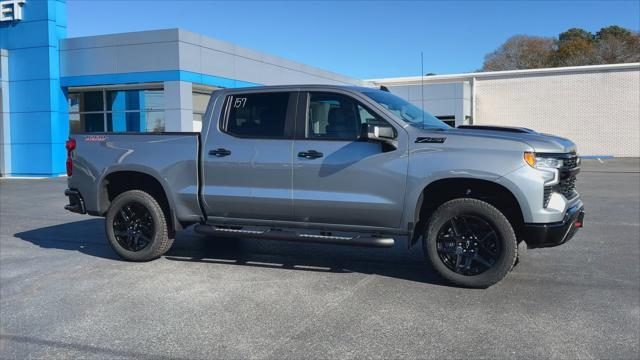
257	115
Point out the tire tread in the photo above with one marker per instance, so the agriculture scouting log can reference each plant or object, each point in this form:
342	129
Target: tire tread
162	232
476	281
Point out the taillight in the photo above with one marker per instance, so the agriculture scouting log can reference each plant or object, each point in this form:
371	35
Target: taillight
70	145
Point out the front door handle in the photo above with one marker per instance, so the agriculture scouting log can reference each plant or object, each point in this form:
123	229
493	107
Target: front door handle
220	152
310	154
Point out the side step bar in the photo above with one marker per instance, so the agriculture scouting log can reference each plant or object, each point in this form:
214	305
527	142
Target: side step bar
286	235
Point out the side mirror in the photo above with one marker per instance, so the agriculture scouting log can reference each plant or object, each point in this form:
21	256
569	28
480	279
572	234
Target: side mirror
382	133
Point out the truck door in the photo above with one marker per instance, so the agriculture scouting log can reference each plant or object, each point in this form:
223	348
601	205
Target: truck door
338	178
247	158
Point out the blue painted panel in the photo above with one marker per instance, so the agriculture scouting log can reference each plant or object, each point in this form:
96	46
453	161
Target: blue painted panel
54	63
39	108
30	63
37	10
30	34
31	127
30	95
61	33
59	127
60	11
59	158
110	79
60	121
153	76
31	159
58	98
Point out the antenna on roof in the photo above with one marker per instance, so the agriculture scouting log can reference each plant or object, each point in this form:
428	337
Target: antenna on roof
422	83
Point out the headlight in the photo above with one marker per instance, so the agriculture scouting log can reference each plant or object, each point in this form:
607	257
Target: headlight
548	166
541	162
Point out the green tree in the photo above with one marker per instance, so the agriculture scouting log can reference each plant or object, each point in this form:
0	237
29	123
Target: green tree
614	31
575	47
615	44
574	34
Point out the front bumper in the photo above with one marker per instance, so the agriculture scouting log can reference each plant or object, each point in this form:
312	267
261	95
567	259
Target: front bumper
76	202
554	234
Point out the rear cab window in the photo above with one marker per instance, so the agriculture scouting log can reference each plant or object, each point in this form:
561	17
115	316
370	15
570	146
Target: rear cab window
258	115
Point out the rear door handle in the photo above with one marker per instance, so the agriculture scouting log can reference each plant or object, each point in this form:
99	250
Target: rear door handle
310	154
220	152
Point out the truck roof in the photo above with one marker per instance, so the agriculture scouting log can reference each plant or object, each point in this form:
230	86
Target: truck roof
297	87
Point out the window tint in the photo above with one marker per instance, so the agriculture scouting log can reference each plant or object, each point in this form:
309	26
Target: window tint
257	115
139	110
335	116
124	100
92	101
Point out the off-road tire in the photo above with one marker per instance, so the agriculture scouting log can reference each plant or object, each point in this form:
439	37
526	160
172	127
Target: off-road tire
160	241
490	214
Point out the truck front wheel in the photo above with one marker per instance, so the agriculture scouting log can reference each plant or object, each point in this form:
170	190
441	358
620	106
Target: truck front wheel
470	243
136	227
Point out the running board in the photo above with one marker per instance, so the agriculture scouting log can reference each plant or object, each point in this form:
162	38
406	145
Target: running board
286	235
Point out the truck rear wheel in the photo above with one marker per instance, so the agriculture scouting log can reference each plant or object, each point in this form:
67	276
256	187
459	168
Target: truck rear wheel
470	243
136	227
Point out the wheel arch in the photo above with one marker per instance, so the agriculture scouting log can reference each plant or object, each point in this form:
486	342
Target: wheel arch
440	191
119	181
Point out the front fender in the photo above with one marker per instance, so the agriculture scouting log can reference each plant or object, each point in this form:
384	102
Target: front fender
427	165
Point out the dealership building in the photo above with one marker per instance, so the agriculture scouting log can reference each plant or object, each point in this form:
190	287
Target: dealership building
160	80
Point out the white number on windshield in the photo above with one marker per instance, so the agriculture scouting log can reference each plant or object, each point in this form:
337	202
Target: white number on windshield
239	103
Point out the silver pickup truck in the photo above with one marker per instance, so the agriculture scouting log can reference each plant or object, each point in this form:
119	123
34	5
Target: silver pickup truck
336	165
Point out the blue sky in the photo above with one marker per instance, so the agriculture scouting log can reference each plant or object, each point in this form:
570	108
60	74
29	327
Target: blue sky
361	39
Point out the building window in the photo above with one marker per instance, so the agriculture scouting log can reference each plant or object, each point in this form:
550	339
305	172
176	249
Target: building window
448	119
200	102
125	110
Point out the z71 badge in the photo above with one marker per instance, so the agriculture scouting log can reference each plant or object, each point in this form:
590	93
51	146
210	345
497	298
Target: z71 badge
430	140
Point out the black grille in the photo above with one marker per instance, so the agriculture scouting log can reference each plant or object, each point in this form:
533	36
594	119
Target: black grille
567	187
567	184
547	195
570	163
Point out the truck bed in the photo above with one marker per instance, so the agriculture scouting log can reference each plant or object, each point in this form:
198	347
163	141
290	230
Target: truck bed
170	158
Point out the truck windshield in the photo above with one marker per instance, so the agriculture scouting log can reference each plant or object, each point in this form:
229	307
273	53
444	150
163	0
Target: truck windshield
406	111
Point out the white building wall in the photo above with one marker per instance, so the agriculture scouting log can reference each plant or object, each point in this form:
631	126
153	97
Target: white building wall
5	123
596	106
178	102
440	99
599	111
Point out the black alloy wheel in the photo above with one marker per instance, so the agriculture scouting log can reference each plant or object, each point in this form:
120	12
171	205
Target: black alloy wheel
133	226
468	245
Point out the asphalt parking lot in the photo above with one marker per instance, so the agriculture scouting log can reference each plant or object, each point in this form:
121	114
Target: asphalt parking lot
64	294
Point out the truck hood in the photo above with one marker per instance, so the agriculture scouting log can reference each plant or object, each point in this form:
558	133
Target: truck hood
542	143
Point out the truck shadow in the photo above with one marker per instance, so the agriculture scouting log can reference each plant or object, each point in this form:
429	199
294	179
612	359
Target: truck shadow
87	237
